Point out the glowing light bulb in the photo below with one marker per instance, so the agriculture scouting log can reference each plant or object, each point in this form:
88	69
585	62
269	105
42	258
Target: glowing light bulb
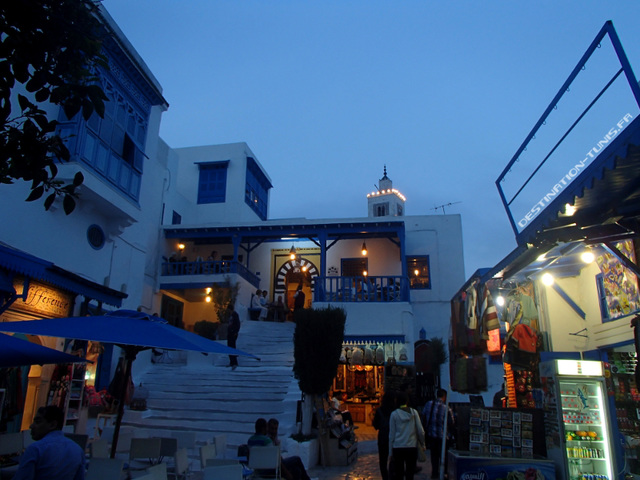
547	279
500	301
588	256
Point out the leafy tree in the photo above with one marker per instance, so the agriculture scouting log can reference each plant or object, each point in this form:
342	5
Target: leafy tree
317	342
49	54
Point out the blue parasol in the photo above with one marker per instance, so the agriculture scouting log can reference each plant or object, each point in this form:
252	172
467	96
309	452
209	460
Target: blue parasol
130	330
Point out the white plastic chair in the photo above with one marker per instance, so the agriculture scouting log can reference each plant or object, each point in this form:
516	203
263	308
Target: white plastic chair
207	452
220	442
265	458
158	472
104	469
144	450
181	470
99	448
223	472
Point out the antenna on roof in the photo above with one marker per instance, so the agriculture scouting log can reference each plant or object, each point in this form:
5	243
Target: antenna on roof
377	188
444	205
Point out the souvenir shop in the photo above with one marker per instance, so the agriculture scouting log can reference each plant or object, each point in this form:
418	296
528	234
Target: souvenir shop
368	366
562	327
34	289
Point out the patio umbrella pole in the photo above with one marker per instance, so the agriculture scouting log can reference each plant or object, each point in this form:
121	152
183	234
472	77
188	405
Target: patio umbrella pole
130	355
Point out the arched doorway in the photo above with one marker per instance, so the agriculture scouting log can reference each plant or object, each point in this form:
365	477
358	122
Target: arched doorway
292	274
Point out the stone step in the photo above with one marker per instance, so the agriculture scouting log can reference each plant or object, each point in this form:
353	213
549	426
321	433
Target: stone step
208	398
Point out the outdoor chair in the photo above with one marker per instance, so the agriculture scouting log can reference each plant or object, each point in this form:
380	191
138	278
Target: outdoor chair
207	452
11	443
220	442
265	462
223	472
144	448
181	469
158	471
99	448
104	469
168	447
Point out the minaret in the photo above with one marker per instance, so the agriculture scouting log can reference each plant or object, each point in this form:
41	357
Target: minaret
386	201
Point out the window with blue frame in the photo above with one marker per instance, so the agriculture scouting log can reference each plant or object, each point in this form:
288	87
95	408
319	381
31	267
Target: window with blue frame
257	189
419	272
113	146
212	184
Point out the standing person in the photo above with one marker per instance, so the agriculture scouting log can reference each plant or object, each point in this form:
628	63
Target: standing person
381	423
298	298
405	431
232	333
52	456
434	413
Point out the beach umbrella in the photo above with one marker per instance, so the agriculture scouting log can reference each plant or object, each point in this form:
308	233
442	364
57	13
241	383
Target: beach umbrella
130	330
15	352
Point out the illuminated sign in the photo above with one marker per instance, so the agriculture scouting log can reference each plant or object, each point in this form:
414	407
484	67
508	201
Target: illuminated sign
43	300
574	172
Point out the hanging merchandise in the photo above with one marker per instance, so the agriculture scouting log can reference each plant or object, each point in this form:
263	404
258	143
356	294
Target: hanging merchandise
343	356
488	314
357	356
369	354
380	355
389	353
402	357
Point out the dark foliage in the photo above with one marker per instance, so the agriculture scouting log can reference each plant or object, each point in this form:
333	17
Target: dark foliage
48	55
206	329
317	342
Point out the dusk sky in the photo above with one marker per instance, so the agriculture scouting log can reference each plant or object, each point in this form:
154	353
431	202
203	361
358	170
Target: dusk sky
326	93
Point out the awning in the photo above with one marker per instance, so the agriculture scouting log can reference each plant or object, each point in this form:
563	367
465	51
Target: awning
606	197
377	339
21	263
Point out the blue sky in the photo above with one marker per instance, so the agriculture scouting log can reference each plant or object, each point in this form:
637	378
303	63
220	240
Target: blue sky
326	93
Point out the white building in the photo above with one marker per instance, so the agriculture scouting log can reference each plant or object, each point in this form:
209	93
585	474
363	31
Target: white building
140	199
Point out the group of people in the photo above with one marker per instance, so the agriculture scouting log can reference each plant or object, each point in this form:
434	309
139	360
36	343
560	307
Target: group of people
266	433
402	430
274	311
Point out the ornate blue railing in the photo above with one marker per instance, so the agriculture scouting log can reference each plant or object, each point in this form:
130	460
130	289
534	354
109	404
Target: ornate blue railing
210	268
389	288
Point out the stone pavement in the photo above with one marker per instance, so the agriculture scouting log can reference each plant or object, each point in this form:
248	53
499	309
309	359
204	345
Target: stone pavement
364	468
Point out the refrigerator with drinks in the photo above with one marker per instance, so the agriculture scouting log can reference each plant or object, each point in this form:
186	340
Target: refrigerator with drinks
577	421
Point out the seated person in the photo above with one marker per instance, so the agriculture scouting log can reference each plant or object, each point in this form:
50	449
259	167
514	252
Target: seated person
255	304
293	466
51	455
260	438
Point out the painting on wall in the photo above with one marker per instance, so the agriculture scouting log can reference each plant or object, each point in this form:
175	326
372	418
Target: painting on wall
619	285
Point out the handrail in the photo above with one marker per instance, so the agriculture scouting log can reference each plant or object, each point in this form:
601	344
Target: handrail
210	268
388	288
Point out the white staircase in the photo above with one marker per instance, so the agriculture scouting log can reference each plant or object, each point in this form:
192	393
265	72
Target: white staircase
204	396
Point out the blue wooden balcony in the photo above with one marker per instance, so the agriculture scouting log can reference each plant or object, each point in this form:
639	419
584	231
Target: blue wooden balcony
209	268
361	289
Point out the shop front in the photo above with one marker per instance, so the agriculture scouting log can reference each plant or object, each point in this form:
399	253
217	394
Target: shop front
33	289
369	366
567	298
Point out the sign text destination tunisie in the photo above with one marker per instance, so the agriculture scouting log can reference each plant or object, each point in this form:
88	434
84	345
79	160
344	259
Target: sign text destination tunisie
574	171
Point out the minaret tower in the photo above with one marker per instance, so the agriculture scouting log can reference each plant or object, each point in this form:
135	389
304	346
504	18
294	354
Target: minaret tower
386	201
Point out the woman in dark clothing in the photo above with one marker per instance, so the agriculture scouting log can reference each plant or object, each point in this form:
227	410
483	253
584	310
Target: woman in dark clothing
381	423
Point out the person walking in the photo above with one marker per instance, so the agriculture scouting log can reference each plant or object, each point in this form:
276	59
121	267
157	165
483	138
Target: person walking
405	431
52	456
232	333
381	424
434	413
